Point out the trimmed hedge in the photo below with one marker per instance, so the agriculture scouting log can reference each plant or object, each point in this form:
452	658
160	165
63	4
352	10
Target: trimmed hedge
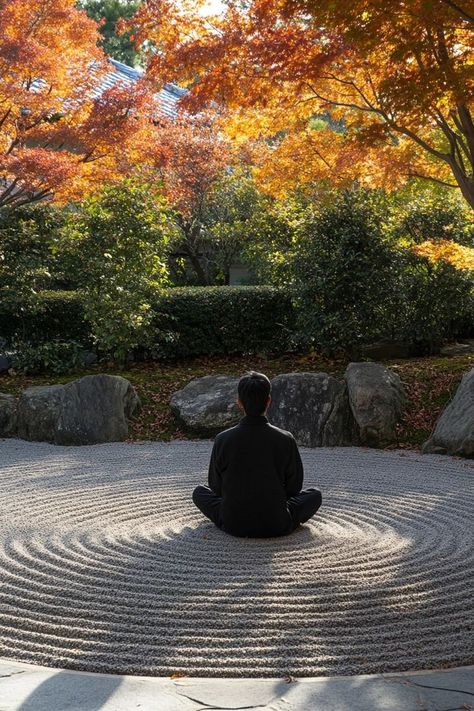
189	321
215	320
57	315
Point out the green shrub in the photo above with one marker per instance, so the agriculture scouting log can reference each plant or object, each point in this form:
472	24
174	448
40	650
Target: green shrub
29	260
219	320
344	275
55	357
420	214
120	238
273	243
187	321
435	303
54	315
356	285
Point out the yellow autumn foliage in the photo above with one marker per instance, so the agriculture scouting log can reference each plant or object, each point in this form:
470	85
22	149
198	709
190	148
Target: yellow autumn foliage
456	254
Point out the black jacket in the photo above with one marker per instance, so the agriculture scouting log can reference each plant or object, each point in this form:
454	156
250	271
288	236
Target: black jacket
255	467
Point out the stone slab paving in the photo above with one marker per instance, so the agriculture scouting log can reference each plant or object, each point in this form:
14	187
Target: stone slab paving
106	566
31	688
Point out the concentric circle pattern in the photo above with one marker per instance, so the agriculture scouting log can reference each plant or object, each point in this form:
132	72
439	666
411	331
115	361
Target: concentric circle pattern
105	565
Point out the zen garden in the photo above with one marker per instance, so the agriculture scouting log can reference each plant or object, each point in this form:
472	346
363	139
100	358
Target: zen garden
236	355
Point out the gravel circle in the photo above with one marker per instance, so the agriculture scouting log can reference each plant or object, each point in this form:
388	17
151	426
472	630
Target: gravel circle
105	565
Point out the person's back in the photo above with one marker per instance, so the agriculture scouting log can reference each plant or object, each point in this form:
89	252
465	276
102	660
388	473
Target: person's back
255	468
256	473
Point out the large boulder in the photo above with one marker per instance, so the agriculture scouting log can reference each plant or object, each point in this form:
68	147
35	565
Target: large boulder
454	431
90	410
96	409
8	415
377	400
38	412
209	404
314	407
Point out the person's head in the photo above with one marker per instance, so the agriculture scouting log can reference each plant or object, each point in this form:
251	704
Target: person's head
254	393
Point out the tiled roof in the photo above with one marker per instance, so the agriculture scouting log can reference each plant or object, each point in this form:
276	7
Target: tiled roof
168	97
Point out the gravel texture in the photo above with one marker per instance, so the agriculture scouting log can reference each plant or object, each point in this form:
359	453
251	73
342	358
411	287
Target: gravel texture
105	565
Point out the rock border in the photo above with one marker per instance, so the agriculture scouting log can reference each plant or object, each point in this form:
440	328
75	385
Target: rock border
91	410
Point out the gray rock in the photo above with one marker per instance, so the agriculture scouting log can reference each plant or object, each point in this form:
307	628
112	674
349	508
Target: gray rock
5	363
38	411
454	349
90	410
8	415
377	400
96	409
454	431
314	407
209	404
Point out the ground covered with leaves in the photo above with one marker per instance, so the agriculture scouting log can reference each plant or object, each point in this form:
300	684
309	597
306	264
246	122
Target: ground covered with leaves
430	383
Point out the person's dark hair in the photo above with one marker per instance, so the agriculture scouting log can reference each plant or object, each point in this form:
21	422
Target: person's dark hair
254	389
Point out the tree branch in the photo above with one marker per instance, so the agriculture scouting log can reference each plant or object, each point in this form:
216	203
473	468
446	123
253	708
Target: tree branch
435	180
391	122
342	104
5	116
457	8
466	125
9	189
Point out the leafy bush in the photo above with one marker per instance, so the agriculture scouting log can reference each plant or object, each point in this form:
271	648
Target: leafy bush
435	303
213	320
121	238
55	357
431	213
273	243
54	315
29	261
355	283
344	273
186	321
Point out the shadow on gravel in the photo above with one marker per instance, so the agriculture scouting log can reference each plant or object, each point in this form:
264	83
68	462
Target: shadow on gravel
192	601
71	691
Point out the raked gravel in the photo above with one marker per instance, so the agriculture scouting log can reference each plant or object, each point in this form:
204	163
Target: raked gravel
105	565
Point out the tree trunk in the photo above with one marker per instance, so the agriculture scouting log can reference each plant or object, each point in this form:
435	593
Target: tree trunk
466	184
197	266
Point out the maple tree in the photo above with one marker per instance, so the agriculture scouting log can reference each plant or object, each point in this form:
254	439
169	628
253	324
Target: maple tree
190	157
391	80
59	133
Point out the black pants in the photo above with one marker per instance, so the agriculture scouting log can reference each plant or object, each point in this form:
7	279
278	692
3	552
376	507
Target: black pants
302	506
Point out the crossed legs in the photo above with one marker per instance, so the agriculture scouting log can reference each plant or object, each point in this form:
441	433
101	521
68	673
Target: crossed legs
208	503
302	506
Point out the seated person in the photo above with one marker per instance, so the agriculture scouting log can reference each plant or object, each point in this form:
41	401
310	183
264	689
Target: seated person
256	473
